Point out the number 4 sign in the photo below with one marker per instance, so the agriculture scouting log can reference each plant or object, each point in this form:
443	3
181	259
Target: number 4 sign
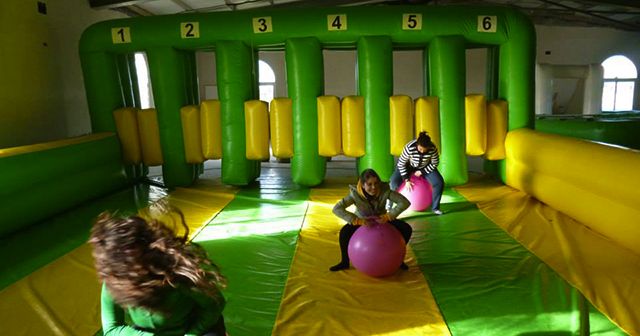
487	24
337	22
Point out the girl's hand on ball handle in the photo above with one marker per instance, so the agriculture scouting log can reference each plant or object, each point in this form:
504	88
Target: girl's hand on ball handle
418	173
408	185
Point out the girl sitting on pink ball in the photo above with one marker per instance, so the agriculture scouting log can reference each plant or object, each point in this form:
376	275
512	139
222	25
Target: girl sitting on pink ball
370	197
420	158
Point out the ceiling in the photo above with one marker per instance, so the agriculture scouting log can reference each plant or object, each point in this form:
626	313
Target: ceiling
618	14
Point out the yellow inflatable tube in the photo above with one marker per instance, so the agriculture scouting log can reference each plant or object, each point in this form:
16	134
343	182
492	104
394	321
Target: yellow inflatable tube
596	184
281	122
475	106
256	118
401	122
427	118
211	129
329	126
191	133
150	137
127	127
353	126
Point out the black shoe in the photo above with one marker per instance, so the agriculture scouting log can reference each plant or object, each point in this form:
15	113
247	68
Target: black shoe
339	267
404	266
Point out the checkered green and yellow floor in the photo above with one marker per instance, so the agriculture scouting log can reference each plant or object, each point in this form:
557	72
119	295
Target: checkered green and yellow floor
275	241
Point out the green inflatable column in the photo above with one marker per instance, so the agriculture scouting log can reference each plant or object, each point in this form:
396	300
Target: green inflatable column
305	79
234	64
375	84
517	76
447	76
168	79
102	85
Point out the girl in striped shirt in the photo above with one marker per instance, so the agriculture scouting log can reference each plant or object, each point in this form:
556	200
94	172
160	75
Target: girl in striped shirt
420	158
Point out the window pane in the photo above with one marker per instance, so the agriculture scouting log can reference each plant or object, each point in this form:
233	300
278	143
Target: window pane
624	96
265	73
266	92
608	94
144	82
619	67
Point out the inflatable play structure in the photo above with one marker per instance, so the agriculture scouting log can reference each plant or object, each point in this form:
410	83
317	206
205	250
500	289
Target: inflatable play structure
552	249
237	129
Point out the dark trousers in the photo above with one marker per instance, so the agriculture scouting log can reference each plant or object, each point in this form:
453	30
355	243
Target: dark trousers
436	180
349	229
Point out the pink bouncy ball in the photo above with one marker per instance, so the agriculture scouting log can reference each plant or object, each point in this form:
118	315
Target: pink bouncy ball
377	250
420	195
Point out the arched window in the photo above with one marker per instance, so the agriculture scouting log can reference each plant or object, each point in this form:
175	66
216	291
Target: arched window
620	76
267	81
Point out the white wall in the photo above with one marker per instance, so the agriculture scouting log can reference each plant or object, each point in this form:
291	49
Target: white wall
42	94
582	46
69	18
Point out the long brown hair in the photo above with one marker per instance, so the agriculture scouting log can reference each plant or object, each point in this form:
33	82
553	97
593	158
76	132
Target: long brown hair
139	260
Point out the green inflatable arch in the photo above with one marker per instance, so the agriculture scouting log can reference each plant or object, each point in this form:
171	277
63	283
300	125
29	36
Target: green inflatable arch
442	32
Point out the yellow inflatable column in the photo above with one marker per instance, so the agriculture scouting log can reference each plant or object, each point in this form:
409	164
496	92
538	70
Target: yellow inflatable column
475	107
281	121
190	116
329	129
150	137
256	119
496	129
353	126
127	128
211	129
428	118
400	123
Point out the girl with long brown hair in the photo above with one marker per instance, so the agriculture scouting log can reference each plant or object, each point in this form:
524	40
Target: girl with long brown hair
166	284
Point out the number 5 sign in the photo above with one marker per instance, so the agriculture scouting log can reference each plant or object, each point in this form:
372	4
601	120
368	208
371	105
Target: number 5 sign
411	21
487	24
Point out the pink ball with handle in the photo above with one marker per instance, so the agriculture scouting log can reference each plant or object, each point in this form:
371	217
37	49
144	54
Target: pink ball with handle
420	195
377	250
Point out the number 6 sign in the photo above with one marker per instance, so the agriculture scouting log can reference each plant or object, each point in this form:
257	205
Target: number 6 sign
487	24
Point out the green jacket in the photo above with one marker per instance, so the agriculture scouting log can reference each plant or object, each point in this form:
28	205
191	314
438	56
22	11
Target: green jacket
192	313
369	208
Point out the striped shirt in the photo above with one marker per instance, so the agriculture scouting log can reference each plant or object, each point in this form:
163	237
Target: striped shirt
426	162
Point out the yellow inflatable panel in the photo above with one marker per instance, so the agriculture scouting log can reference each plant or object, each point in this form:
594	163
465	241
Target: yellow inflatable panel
353	126
127	128
319	302
603	271
281	121
329	128
400	123
63	297
256	119
150	137
496	129
475	124
190	116
211	129
594	183
427	118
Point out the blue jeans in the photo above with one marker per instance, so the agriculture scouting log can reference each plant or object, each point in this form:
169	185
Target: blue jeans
436	180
